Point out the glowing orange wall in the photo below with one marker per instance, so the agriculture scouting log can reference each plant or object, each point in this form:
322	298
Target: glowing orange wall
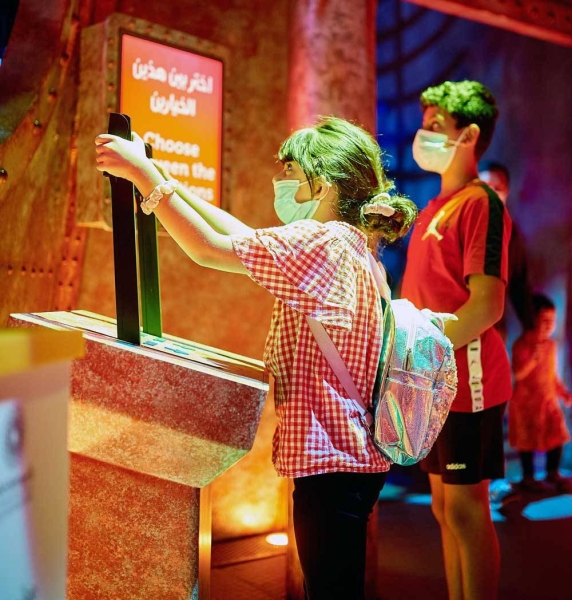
48	263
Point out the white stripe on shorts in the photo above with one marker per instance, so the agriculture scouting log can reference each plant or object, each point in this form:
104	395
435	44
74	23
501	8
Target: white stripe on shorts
476	374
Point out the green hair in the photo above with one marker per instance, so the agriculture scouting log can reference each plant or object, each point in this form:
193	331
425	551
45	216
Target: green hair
350	159
467	102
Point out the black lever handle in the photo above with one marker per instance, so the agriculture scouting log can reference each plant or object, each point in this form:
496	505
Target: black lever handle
149	268
124	244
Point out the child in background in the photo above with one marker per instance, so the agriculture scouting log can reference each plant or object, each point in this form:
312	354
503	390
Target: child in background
536	421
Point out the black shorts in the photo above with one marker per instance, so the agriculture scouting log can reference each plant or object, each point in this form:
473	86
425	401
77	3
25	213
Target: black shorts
470	448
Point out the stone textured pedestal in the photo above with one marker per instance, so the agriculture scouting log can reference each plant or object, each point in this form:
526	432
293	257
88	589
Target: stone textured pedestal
150	427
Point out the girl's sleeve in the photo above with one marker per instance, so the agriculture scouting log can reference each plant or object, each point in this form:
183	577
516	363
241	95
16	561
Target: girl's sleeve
306	266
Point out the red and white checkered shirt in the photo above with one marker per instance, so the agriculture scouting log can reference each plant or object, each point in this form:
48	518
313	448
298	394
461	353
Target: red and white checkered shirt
320	270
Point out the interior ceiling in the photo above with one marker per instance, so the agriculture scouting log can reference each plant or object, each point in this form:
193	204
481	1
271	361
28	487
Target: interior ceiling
549	20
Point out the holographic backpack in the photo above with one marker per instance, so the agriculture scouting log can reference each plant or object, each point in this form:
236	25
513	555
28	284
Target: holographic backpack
416	382
416	379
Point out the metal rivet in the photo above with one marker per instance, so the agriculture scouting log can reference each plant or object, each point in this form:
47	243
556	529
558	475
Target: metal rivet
3	175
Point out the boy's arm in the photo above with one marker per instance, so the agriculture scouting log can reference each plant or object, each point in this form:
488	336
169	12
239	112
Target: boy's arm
480	312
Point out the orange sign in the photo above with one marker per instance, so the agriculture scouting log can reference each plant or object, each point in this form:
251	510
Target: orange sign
174	99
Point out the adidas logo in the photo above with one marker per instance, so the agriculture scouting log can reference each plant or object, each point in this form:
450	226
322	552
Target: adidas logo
456	466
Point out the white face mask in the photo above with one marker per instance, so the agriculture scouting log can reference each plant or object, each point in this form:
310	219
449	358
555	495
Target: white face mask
431	152
285	205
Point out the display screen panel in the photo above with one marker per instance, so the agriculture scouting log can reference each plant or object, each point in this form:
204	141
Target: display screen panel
174	98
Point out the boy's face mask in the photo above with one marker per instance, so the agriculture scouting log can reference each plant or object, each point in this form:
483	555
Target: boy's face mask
431	151
285	205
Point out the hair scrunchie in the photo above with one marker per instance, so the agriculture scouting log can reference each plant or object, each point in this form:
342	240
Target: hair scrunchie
376	207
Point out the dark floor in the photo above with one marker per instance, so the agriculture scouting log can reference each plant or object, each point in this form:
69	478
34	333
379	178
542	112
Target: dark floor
248	569
535	534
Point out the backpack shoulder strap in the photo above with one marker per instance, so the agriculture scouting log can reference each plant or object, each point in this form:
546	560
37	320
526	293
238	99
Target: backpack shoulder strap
332	354
338	366
380	277
387	329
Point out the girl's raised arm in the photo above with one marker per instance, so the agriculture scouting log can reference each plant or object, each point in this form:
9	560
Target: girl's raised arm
201	241
214	216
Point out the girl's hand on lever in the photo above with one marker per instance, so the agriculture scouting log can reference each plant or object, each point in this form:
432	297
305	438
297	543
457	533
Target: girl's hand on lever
122	158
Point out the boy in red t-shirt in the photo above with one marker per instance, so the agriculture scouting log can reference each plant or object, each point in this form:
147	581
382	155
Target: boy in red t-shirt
457	262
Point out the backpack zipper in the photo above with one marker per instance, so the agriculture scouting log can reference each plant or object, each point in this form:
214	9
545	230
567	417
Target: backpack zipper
409	348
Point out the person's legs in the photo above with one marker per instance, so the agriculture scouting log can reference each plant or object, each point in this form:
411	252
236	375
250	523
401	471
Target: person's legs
330	523
529	483
553	476
467	517
526	461
467	455
451	555
553	458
